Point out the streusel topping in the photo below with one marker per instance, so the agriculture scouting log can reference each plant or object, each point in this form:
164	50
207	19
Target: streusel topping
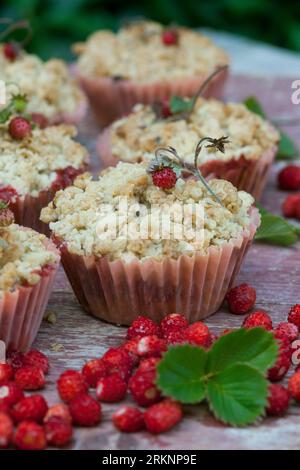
49	87
30	165
135	137
137	52
90	219
22	255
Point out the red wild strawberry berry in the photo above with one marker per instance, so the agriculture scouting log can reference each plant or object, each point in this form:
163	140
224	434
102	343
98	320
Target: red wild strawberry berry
286	330
131	347
148	364
65	177
198	334
93	371
58	432
30	436
10	393
16	358
143	389
282	365
85	410
278	401
241	299
289	178
6	430
173	322
111	389
6	216
143	326
128	419
290	205
19	128
258	318
163	416
70	384
151	346
294	315
30	378
175	337
33	408
165	109
40	120
164	178
170	37
38	359
119	361
10	51
294	386
60	411
6	373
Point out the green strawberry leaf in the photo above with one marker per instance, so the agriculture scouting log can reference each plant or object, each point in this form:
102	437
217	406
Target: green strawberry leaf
180	105
181	373
5	114
238	395
275	230
255	346
253	105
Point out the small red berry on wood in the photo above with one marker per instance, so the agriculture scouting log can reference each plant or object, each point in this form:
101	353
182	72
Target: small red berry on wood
6	373
10	393
163	416
6	430
149	346
128	419
290	205
278	401
33	408
143	389
258	318
38	359
286	330
241	299
294	315
30	378
198	334
111	389
289	178
61	411
70	384
93	371
173	322
294	386
58	432
85	410
30	436
143	326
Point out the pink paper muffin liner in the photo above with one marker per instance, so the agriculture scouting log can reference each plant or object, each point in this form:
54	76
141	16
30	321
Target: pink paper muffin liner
110	99
195	286
246	175
21	311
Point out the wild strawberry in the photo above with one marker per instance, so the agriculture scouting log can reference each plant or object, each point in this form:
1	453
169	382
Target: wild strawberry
170	37
278	401
40	120
143	326
85	410
289	178
290	204
294	315
93	371
10	51
286	330
38	359
8	194
19	128
10	393
241	299
294	386
143	388
198	334
163	416
165	109
58	432
282	365
65	177
128	419
258	318
60	411
173	322
33	408
6	216
148	364
175	337
151	346
164	178
117	357
16	359
131	347
111	389
6	373
30	378
30	436
6	430
70	384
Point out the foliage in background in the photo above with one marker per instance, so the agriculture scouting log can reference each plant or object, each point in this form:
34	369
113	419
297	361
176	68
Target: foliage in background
59	23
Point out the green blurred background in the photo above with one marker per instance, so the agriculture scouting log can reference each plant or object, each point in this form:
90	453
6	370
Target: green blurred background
58	23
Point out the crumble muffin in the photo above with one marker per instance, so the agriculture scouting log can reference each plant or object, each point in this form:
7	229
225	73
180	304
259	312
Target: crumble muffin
138	64
120	261
49	87
33	169
252	141
28	263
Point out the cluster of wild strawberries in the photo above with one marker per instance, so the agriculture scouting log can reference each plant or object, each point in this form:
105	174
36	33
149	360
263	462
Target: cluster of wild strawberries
289	180
28	422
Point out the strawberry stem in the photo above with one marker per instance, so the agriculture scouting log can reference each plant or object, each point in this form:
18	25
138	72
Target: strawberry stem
15	26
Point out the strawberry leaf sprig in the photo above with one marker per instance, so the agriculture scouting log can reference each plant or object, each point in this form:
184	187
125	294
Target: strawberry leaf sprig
231	376
17	105
168	166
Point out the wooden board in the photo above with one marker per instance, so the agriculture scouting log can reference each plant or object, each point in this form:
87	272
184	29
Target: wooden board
273	271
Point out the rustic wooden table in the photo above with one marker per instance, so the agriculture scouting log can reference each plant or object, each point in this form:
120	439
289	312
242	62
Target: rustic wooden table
273	271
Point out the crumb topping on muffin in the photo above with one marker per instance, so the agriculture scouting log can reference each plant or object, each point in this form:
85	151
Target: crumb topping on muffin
83	215
49	87
30	165
22	256
138	52
134	137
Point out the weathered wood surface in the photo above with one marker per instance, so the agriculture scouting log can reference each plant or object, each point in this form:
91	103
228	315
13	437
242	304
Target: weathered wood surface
275	273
